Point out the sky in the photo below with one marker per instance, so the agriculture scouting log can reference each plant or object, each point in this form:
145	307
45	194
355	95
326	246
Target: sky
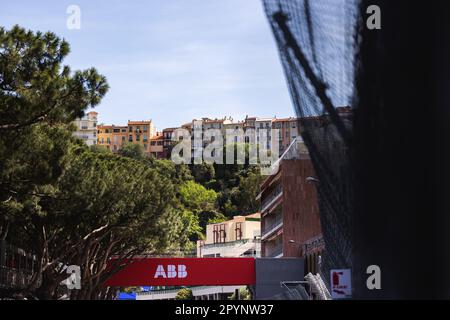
169	60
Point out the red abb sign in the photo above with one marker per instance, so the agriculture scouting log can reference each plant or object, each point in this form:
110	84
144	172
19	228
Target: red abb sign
185	272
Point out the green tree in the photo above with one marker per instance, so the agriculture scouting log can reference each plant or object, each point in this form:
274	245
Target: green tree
102	206
99	149
39	98
244	294
196	197
133	150
184	294
35	87
203	173
216	218
60	200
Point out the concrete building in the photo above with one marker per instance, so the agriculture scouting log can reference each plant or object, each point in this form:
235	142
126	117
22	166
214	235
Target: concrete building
238	237
262	124
157	146
289	130
167	142
112	137
140	132
290	222
87	128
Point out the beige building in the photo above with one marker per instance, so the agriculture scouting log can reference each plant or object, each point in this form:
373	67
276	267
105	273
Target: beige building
238	237
157	145
288	131
87	128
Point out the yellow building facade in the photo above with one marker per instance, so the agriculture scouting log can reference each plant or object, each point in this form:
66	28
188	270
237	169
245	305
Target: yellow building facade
137	132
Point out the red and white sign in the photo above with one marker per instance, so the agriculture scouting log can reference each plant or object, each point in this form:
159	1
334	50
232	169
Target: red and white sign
185	272
341	283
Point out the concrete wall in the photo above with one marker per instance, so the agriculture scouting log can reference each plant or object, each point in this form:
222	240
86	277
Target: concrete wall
271	272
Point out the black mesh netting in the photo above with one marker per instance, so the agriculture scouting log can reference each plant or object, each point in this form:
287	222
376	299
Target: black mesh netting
316	41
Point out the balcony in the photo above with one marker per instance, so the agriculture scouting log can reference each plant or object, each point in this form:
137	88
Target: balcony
272	226
272	198
238	248
276	252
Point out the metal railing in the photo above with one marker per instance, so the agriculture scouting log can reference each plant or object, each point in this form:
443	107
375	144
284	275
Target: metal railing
268	200
230	243
273	225
275	251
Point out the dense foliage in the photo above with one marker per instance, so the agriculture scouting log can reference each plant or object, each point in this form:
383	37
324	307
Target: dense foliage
74	205
184	294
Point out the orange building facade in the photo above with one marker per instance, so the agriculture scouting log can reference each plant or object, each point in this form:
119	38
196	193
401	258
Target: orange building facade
137	132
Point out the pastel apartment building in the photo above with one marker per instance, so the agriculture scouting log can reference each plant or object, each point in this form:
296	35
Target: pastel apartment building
137	132
87	128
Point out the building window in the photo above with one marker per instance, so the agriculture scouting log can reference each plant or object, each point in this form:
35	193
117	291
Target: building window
145	146
130	138
216	234
130	129
223	233
145	138
138	137
106	130
238	230
123	138
145	129
108	141
219	233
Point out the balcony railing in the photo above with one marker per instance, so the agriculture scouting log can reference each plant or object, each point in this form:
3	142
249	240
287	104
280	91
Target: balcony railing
272	225
230	243
275	252
271	198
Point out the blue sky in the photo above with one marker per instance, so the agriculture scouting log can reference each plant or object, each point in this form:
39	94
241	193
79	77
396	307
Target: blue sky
169	60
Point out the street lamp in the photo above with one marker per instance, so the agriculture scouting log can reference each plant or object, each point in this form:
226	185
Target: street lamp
300	246
312	180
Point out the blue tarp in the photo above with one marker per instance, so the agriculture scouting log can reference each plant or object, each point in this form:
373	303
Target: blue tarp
127	296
